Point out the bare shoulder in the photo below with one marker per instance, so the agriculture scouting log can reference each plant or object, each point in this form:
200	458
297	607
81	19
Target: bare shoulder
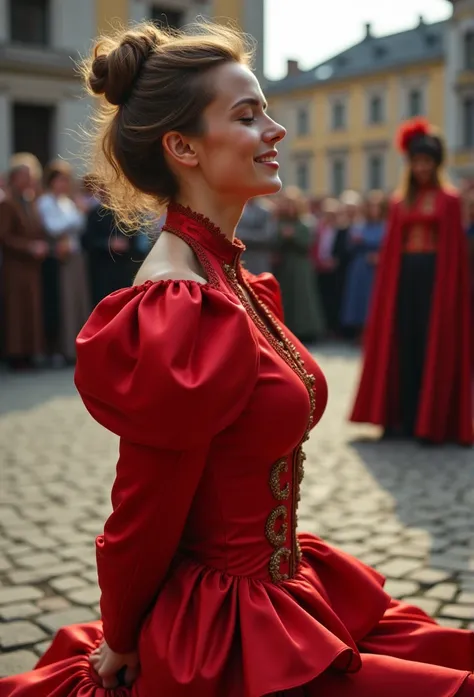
171	259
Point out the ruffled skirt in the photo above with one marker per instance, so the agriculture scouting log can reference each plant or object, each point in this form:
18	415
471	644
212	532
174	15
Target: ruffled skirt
330	631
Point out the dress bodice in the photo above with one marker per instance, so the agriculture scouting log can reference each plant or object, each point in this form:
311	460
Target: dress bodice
420	222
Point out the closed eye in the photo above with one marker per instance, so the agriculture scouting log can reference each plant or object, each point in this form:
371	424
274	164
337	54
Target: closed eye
247	119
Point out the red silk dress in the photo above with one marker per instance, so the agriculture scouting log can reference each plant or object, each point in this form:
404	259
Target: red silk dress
200	565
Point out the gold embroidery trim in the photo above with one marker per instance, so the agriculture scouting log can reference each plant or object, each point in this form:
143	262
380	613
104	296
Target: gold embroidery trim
275	335
278	469
278	556
277	539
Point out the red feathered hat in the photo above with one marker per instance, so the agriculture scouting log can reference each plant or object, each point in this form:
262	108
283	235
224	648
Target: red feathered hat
416	136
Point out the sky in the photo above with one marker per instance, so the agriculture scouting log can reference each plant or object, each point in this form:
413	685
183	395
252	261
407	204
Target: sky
312	31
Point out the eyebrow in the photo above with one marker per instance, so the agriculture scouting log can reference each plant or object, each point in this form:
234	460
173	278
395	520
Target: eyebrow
252	101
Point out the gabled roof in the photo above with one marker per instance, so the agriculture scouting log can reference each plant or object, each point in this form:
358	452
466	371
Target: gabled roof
372	55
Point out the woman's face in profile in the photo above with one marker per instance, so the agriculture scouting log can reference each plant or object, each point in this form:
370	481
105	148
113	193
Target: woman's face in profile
237	154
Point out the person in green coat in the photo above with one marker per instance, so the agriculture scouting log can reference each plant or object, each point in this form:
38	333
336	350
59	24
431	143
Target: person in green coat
293	268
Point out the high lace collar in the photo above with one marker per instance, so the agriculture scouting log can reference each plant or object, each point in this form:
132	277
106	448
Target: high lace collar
204	232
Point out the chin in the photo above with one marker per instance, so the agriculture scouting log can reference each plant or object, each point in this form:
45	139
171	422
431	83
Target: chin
272	186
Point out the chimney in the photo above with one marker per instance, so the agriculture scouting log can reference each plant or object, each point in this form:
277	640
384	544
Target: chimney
292	68
368	30
421	21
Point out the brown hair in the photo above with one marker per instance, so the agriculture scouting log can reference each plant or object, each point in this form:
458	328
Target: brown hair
377	197
154	81
55	169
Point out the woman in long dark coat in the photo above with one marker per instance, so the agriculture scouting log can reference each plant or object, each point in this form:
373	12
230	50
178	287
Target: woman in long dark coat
23	249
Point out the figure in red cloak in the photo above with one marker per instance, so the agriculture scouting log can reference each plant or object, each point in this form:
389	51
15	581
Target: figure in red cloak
417	373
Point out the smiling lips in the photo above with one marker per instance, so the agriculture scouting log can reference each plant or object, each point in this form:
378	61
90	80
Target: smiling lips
268	159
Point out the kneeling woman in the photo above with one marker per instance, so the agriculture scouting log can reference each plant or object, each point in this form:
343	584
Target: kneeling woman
207	590
416	378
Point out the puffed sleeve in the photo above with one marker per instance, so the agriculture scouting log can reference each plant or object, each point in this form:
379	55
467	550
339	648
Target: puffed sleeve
268	290
166	366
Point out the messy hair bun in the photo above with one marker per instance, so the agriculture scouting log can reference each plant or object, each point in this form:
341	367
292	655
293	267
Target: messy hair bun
151	81
114	73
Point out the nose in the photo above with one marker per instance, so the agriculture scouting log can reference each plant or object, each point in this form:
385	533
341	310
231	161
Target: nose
275	132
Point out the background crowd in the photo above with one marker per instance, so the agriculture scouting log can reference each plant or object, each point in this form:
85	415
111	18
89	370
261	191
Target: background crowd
324	253
61	253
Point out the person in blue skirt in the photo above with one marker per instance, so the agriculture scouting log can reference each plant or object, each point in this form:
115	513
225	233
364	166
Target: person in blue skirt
365	245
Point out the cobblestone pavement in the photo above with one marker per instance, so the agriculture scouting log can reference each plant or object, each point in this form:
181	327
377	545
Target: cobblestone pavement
407	510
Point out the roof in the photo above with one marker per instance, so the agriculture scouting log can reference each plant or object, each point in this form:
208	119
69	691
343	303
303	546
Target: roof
372	55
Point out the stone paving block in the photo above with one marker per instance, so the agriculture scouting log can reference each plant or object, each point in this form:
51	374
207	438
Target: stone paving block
4	563
443	591
404	550
466	599
373	558
19	633
85	596
44	574
37	561
53	603
90	576
461	612
399	567
67	583
429	576
382	543
18	611
16	594
447	622
16	662
55	620
401	589
429	605
18	550
41	648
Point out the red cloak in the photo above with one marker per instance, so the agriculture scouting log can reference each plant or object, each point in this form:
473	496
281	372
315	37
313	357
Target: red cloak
445	406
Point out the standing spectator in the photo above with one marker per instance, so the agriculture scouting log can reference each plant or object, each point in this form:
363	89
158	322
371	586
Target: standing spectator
256	229
349	223
23	249
109	251
417	374
365	244
65	284
324	263
301	303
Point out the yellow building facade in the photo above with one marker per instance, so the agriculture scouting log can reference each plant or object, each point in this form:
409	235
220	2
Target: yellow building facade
343	116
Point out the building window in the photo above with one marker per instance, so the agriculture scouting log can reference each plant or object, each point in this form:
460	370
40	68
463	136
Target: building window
338	176
29	21
468	122
302	122
415	103
164	17
376	109
469	51
338	115
375	171
33	130
302	176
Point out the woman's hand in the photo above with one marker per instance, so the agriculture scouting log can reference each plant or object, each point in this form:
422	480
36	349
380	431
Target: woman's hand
107	664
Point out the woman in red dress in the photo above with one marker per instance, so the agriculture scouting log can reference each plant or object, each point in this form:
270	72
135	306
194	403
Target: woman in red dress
417	374
207	589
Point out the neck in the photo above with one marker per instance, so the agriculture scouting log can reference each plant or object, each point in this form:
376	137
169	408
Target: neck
224	213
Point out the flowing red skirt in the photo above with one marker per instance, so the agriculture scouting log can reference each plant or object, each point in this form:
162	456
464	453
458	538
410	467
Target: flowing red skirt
330	632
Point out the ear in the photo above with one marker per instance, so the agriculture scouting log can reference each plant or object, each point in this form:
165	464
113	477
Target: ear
179	149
